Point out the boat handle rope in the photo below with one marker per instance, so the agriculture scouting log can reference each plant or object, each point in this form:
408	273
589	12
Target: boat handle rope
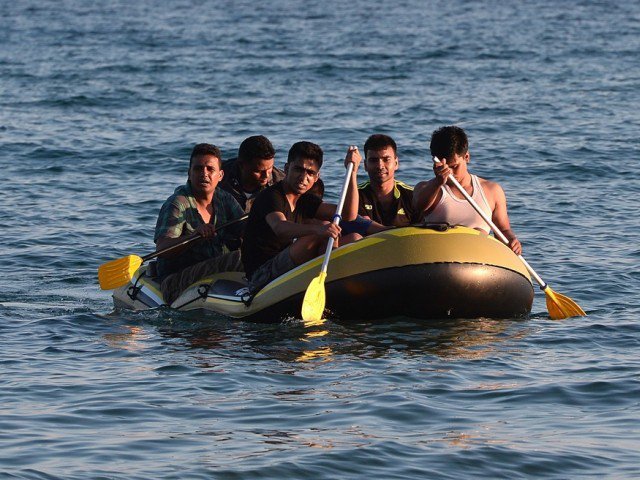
134	290
203	291
247	298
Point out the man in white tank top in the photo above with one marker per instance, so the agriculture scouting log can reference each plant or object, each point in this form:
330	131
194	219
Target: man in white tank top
441	202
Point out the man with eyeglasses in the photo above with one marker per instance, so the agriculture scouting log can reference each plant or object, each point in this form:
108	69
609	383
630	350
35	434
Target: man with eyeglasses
439	203
289	225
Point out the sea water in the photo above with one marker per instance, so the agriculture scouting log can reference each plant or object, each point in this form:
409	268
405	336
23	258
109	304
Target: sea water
100	105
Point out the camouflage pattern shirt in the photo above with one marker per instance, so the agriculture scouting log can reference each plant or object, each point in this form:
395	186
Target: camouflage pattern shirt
179	217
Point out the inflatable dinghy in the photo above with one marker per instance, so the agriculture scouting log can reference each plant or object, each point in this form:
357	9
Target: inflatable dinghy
429	272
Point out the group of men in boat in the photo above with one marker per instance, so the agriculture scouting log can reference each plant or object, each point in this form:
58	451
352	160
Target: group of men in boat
289	223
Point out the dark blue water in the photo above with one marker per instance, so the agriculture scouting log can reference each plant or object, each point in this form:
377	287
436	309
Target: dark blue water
100	105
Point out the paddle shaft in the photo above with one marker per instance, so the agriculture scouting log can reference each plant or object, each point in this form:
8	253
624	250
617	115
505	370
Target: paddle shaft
496	230
337	217
190	239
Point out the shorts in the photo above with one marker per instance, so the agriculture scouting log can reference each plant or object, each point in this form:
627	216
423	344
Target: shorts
360	225
272	268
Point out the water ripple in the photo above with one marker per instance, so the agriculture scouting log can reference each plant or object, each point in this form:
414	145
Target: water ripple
101	104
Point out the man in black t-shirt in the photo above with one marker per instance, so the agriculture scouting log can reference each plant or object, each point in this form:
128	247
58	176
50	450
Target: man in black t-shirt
288	225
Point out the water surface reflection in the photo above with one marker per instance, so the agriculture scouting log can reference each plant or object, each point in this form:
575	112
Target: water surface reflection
293	341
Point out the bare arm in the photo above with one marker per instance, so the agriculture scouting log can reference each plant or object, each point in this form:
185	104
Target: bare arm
326	211
286	230
426	195
163	243
350	210
500	216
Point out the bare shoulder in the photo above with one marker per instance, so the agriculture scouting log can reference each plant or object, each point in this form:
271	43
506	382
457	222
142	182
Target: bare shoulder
488	185
492	190
424	184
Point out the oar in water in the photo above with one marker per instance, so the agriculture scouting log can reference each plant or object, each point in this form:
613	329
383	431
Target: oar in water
314	298
559	306
115	273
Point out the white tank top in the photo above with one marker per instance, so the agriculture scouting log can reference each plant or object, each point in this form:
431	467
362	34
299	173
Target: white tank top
458	211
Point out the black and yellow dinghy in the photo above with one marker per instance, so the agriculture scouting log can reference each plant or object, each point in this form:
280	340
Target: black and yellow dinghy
420	272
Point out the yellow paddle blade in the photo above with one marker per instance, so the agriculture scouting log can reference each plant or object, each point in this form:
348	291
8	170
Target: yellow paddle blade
118	272
314	299
560	306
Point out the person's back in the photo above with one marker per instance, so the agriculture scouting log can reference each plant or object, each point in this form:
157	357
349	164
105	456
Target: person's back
251	171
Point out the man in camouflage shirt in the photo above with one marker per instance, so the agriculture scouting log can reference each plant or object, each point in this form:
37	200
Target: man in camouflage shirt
198	207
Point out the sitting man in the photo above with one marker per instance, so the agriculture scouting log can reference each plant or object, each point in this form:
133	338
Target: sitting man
441	203
384	201
252	171
282	231
198	207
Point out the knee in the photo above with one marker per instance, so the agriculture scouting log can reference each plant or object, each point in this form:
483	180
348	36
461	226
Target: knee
305	248
350	238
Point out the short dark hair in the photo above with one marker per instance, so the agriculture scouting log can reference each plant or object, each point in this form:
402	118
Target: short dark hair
202	149
447	141
305	150
257	147
378	141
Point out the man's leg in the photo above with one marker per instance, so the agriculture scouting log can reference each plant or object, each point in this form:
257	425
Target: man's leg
306	248
350	238
300	251
311	246
174	284
272	268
